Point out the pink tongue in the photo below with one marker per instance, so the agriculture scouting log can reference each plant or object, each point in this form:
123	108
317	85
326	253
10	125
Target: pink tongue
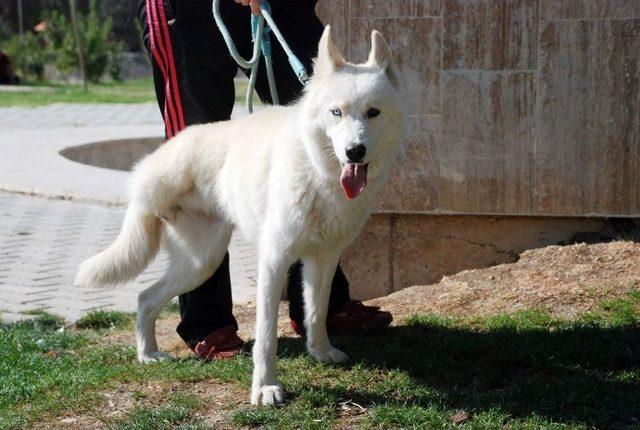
353	179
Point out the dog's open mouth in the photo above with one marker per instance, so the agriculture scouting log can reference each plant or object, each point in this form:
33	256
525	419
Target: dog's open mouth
354	179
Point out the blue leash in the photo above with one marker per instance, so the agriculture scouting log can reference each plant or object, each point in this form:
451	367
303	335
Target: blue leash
261	46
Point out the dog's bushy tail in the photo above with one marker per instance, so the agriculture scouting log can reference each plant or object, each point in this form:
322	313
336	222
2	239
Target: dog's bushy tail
132	251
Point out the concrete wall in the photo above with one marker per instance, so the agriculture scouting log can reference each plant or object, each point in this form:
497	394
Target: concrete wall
135	65
517	107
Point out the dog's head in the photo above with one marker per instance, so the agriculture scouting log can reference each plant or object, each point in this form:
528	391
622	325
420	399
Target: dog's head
354	114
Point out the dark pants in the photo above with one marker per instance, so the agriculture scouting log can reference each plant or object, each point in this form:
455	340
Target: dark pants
193	74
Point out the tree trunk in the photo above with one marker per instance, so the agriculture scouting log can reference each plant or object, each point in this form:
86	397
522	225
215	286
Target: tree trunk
20	21
80	50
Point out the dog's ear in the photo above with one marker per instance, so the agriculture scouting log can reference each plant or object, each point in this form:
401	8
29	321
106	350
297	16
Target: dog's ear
380	56
329	58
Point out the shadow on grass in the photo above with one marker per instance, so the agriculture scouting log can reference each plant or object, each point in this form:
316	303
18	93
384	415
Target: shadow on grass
580	374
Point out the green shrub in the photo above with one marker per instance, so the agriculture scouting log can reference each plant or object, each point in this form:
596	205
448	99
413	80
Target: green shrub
101	52
28	55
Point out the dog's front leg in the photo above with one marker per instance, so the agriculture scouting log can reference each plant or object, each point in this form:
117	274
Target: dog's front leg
271	278
318	271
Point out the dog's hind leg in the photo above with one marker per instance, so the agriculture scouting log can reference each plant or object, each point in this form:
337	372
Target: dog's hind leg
150	303
317	271
196	247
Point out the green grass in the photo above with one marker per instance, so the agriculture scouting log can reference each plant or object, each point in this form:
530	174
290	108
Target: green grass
526	370
177	413
45	370
173	307
102	319
129	91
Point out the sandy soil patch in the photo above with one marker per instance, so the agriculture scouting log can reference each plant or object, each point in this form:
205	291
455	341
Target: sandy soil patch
565	280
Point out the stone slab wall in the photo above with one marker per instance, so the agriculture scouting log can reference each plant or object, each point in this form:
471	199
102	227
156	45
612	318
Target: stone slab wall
517	107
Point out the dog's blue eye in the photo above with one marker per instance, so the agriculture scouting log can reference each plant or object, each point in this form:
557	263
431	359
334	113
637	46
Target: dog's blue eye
373	112
336	112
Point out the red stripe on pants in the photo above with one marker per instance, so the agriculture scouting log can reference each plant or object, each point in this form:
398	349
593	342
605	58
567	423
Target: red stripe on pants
162	51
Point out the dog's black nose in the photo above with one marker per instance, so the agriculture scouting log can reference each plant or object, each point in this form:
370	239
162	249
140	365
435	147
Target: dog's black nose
356	153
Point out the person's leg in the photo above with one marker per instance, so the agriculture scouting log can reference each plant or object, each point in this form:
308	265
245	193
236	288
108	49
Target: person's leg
157	62
194	84
338	298
208	308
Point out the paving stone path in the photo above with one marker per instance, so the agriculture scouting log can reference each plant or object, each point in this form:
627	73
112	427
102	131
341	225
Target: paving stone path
42	240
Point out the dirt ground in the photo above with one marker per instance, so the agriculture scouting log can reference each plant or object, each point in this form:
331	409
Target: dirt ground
565	280
218	398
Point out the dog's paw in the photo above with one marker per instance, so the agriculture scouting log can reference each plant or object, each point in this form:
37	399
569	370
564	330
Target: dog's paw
268	395
154	356
330	355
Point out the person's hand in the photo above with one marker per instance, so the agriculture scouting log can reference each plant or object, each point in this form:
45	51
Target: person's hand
254	4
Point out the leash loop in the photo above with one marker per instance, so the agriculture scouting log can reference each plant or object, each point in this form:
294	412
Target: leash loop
261	47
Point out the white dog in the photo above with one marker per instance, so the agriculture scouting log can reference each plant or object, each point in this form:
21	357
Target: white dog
286	178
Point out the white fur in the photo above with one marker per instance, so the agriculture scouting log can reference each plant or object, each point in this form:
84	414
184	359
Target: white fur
274	176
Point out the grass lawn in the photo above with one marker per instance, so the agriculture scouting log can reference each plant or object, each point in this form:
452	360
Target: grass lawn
130	91
519	371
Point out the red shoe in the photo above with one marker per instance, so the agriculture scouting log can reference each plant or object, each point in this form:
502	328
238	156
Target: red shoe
221	344
354	318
